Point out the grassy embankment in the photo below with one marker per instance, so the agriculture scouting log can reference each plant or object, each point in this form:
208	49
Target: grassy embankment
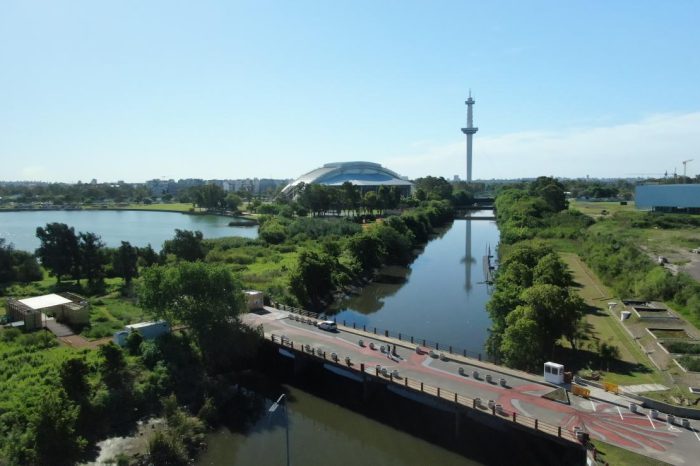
616	456
633	367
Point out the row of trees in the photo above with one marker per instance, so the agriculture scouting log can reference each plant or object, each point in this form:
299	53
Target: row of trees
533	306
340	261
84	255
63	193
17	266
319	199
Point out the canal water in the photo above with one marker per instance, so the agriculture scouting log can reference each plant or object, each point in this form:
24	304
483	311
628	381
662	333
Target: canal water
441	297
138	227
322	433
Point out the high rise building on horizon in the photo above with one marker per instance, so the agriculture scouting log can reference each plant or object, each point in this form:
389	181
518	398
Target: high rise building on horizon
469	131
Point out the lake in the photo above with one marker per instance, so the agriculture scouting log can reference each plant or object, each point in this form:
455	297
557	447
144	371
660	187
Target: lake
114	226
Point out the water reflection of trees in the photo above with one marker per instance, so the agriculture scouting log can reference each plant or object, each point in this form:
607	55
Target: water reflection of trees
371	298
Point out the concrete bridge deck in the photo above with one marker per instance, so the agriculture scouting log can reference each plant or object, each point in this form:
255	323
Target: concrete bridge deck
520	400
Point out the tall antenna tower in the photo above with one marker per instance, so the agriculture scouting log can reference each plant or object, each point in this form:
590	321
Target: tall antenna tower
469	131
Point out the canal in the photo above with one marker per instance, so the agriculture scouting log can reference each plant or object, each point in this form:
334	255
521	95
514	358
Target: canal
114	226
442	296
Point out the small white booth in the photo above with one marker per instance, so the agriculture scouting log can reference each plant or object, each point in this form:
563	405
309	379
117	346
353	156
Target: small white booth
553	372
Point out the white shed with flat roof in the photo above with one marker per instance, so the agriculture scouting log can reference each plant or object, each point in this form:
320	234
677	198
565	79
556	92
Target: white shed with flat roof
45	301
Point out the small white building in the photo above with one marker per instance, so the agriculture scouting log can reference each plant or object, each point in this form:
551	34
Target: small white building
254	300
553	372
148	330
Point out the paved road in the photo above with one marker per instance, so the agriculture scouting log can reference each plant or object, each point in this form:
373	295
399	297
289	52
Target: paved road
523	395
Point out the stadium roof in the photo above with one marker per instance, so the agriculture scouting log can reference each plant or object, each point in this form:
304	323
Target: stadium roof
357	173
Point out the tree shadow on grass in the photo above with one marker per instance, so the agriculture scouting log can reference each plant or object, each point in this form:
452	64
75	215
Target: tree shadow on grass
586	358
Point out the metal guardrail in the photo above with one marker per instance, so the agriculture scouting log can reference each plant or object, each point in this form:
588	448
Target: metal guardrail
451	349
473	403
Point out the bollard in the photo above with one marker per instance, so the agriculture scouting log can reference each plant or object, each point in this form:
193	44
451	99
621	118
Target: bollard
405	381
353	325
376	371
437	345
670	419
686	423
464	353
344	323
411	339
362	367
455	398
386	333
375	330
633	408
450	350
364	328
503	382
654	414
479	356
559	431
513	416
423	342
438	392
536	422
421	386
391	376
399	335
475	374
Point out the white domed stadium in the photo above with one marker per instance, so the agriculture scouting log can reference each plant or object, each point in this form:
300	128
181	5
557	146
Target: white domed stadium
367	176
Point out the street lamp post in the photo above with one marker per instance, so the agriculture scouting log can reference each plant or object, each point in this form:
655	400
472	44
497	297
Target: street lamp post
273	408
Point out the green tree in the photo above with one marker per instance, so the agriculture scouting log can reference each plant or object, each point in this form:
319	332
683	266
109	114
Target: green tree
551	270
366	249
311	281
434	187
125	262
370	201
209	196
147	256
53	428
58	251
186	245
232	202
92	258
521	344
6	262
73	375
204	297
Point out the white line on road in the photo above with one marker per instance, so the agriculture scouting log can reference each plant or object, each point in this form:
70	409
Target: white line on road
592	405
696	434
618	410
651	422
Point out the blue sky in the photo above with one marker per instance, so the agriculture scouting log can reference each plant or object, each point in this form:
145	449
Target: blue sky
136	90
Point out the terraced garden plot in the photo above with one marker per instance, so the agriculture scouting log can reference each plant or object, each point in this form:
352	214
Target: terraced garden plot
682	347
670	334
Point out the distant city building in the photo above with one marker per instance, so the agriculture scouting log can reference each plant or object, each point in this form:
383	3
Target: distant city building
668	197
367	176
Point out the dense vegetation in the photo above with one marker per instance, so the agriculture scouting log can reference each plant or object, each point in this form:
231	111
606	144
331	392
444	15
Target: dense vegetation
534	217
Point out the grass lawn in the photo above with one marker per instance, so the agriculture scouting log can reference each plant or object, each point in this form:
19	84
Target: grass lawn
595	209
633	367
175	207
616	456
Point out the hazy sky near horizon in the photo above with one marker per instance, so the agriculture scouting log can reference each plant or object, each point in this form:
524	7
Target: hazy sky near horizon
135	90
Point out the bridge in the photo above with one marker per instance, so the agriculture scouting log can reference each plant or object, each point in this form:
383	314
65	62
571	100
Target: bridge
471	388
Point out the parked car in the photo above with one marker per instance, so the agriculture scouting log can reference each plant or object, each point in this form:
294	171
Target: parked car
328	325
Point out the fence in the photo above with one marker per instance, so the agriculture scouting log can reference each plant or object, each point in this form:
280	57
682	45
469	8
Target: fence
451	349
474	403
